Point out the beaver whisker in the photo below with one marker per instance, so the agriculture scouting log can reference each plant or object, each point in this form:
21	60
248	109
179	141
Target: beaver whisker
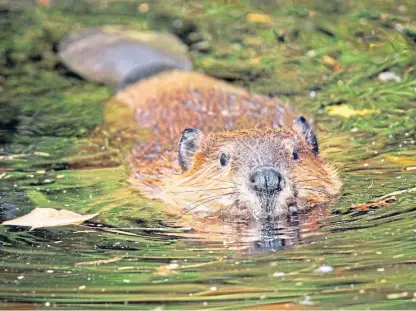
214	179
311	188
226	181
213	196
206	200
324	178
200	174
226	210
201	190
321	170
229	213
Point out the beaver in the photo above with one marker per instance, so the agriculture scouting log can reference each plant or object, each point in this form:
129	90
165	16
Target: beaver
213	149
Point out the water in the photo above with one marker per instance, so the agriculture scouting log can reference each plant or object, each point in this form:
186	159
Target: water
353	258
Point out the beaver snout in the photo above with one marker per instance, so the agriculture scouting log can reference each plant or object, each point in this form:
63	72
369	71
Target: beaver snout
266	180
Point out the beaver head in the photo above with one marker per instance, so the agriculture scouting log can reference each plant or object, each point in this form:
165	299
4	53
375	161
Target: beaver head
252	173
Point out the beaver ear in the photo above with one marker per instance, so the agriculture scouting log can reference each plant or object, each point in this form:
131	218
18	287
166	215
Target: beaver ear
303	126
188	145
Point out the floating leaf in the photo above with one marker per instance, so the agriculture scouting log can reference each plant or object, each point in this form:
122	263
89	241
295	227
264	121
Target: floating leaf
258	18
347	112
48	217
332	62
401	160
372	205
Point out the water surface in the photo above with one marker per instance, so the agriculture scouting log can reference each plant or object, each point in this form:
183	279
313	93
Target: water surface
325	59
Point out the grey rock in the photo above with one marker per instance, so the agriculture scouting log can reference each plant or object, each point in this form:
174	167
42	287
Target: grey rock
111	54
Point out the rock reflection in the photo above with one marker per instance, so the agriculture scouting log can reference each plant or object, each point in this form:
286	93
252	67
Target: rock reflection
7	211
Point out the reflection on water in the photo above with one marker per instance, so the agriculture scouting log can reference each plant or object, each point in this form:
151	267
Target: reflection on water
7	211
361	259
274	238
286	232
267	235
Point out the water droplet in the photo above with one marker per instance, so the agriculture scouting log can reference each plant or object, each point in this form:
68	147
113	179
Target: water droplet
278	274
324	269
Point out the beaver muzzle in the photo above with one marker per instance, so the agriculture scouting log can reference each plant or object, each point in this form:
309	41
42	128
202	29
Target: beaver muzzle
267	182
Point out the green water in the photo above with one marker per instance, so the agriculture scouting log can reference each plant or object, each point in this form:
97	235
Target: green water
318	55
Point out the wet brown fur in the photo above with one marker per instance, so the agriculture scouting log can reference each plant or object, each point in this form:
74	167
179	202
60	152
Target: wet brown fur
231	118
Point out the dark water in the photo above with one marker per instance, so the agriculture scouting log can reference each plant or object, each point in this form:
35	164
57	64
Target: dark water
324	58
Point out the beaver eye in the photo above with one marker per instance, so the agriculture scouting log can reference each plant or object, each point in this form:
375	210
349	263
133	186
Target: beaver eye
295	154
223	159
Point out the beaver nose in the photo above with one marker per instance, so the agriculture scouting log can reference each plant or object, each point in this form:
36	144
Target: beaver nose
266	180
